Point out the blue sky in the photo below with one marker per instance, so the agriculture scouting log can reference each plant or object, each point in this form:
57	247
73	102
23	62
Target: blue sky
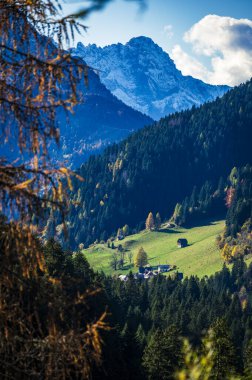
170	23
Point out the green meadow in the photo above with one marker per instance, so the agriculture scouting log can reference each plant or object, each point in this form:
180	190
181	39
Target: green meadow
201	257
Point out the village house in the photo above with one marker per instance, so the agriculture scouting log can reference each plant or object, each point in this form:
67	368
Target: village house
164	268
154	268
147	268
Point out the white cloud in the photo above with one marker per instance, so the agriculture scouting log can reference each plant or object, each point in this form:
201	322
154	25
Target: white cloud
228	44
188	64
167	31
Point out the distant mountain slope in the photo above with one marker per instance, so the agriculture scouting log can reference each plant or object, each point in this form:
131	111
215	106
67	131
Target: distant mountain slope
101	118
158	166
144	77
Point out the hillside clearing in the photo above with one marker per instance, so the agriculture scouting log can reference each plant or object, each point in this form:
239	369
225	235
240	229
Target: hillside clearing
201	257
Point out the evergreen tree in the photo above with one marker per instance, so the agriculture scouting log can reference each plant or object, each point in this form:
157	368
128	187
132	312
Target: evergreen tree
140	337
177	214
141	258
193	198
158	221
55	258
131	353
163	355
224	358
81	268
248	361
238	271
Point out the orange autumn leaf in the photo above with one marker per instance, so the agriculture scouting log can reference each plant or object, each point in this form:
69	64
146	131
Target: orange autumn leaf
23	185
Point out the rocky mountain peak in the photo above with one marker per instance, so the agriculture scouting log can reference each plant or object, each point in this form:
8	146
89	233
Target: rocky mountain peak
143	76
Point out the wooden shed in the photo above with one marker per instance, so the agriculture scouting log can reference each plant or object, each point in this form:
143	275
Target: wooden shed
182	243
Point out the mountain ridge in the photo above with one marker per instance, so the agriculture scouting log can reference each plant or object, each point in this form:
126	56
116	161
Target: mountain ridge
100	119
143	76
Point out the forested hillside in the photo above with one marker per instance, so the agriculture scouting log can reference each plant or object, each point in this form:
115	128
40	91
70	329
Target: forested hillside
149	320
160	165
232	195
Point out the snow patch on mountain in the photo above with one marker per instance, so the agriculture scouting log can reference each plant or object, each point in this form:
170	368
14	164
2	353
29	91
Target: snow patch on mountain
144	77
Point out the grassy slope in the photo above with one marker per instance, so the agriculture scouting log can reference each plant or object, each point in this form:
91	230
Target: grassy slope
200	258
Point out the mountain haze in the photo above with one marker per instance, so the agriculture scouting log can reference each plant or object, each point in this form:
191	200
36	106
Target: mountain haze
144	77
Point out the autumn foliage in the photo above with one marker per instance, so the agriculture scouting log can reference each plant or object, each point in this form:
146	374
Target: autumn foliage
44	332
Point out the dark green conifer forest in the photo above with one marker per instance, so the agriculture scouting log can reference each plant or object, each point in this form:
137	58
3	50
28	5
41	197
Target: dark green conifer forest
150	320
182	157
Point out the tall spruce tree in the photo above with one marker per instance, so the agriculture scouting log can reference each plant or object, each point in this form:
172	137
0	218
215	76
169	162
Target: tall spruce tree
158	221
224	359
248	361
140	337
163	355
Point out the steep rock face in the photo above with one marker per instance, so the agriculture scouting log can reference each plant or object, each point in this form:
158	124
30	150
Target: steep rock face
144	77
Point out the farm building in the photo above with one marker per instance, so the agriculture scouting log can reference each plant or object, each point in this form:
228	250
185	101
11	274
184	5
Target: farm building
147	268
163	268
182	243
156	268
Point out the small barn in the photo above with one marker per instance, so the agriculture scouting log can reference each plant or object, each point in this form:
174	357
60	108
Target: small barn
182	243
